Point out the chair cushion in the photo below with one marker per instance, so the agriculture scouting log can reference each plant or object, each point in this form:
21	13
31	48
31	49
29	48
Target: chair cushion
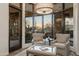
59	45
37	37
62	38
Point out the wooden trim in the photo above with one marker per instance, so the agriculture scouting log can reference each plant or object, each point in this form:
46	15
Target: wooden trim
20	25
43	24
9	30
63	18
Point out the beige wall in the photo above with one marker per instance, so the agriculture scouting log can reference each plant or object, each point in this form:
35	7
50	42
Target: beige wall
4	21
76	27
23	25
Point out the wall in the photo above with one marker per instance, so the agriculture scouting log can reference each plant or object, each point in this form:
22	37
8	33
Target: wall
23	25
4	27
76	27
24	45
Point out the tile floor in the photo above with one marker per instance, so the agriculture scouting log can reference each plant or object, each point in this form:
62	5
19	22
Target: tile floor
23	53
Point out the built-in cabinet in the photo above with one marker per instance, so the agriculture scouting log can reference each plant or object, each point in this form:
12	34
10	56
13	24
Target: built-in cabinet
15	28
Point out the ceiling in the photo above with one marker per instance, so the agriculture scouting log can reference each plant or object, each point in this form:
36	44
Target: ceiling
57	6
29	7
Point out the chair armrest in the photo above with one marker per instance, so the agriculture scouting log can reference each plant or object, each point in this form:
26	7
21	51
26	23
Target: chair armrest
67	42
54	41
60	44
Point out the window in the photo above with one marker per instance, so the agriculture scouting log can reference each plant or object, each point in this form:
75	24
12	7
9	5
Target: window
38	23
47	23
68	24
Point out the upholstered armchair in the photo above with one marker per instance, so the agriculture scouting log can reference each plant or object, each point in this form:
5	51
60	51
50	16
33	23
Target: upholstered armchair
62	44
37	38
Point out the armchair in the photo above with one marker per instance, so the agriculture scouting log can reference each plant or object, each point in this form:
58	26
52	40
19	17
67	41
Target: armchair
37	38
62	44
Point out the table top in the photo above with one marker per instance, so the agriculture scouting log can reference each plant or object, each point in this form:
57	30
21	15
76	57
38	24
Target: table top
42	49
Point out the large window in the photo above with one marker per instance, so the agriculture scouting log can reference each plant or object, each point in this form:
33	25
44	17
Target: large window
29	23
38	23
47	23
